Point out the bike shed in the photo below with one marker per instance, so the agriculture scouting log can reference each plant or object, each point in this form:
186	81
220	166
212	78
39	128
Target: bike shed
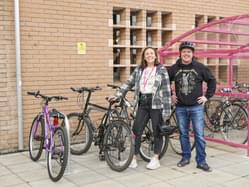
223	45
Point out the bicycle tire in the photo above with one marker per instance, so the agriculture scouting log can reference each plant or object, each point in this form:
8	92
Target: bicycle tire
59	153
174	139
233	123
118	145
37	132
81	133
211	108
146	150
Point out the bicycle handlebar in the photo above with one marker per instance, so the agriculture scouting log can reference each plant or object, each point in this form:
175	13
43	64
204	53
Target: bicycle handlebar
34	93
117	87
113	86
88	89
241	85
244	85
48	98
226	90
237	86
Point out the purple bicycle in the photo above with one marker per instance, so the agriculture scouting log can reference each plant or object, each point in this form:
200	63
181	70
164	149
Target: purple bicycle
48	132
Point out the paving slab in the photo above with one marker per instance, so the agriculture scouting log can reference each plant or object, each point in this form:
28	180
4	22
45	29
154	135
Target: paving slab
230	168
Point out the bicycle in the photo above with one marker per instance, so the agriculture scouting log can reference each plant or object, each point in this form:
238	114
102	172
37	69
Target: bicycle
113	136
228	117
46	133
174	139
147	139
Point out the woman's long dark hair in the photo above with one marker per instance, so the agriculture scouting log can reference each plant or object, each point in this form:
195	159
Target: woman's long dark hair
144	63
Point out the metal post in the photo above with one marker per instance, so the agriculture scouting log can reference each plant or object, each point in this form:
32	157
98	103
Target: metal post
18	77
67	126
247	130
230	72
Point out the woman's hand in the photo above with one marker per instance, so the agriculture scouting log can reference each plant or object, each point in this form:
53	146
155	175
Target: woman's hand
112	98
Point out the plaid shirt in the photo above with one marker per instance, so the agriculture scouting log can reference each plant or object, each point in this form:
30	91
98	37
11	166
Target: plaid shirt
161	95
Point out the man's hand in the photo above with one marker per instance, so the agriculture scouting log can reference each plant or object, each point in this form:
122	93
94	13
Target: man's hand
202	100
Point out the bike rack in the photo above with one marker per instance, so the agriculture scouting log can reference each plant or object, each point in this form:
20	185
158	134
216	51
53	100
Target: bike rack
234	46
244	146
67	126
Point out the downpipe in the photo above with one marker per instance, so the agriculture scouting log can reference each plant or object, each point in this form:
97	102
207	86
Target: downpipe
18	76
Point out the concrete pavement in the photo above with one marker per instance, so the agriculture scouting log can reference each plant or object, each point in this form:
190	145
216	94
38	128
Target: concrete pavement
230	168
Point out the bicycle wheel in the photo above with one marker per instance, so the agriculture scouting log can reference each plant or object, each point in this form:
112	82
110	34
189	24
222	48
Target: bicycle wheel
81	133
233	123
211	108
174	139
146	150
118	145
57	156
36	138
240	119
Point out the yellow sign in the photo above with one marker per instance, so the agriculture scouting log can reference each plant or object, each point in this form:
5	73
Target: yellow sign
81	48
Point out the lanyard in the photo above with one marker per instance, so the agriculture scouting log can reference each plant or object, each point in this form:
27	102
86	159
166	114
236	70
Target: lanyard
146	78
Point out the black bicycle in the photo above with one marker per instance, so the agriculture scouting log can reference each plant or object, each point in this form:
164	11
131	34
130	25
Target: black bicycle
113	136
174	138
125	110
226	117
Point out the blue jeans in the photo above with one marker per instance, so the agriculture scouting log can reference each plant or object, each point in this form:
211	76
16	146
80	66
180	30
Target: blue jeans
194	114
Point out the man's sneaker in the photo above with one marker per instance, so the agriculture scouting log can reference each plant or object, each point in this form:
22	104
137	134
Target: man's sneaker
133	163
183	162
154	163
204	167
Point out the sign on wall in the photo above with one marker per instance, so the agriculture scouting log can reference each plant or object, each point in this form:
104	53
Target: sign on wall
81	48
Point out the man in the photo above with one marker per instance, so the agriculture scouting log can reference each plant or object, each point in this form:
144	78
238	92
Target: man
188	75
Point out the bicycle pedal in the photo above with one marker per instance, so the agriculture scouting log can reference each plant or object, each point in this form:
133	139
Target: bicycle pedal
101	157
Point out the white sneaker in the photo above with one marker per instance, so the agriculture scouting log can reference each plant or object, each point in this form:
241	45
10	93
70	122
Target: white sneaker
154	163
133	164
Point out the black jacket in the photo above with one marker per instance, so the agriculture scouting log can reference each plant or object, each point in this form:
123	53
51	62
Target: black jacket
189	82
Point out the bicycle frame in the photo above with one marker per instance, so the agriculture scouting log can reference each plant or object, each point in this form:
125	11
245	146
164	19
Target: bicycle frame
91	106
48	128
88	107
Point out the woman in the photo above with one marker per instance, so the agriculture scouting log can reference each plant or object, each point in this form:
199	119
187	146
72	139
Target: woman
152	101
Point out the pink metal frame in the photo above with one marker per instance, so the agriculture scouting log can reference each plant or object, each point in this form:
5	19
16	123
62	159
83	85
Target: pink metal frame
237	26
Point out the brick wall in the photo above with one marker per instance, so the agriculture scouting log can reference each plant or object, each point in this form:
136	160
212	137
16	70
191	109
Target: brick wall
50	31
8	121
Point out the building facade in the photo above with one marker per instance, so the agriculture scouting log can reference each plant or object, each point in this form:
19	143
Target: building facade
73	43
